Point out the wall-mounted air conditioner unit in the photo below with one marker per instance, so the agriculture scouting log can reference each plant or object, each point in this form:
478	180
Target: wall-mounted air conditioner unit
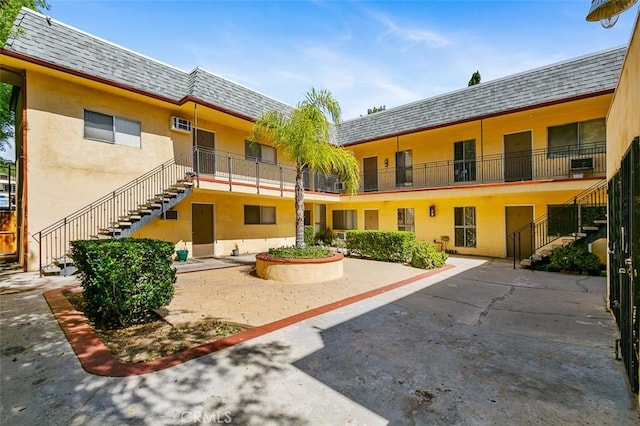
180	124
581	163
339	186
341	235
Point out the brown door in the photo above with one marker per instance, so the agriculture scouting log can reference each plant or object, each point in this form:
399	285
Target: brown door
371	220
202	221
517	157
370	169
206	143
516	218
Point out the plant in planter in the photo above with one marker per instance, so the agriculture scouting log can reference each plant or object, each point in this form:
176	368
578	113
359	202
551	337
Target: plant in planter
182	253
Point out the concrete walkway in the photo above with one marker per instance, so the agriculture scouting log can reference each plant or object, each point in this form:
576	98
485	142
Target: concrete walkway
478	344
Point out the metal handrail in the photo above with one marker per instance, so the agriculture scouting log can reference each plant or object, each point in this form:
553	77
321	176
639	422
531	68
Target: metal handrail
593	197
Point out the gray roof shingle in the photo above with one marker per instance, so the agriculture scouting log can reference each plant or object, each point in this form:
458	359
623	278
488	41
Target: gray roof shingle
59	44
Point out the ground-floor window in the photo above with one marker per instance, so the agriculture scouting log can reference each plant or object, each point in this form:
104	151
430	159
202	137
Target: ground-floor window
406	220
345	219
259	215
465	226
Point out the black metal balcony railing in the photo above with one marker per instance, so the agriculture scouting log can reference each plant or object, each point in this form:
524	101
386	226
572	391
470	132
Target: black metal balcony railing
512	167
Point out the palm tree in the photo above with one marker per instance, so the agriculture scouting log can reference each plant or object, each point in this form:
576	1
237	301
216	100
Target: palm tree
303	136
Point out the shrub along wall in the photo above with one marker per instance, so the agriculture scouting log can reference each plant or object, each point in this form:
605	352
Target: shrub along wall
388	246
124	279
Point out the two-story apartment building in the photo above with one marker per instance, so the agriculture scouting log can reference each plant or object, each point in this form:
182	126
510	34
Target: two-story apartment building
110	142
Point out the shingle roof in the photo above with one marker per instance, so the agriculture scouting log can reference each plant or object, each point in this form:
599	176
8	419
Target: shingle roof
59	44
56	43
573	78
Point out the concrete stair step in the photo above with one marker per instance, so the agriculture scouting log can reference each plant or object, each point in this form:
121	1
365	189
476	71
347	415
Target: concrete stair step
600	221
63	260
590	228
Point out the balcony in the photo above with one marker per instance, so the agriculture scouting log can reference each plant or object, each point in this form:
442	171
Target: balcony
233	169
513	167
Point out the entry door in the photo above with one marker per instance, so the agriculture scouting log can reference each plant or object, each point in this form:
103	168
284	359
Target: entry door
516	218
320	224
206	143
517	157
202	220
370	168
371	220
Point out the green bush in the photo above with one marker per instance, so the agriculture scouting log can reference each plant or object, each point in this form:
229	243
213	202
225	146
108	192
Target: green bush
124	279
323	237
307	252
574	257
388	246
308	235
425	255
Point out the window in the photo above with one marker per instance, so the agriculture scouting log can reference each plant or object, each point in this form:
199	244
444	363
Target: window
259	215
111	129
404	168
464	161
406	220
465	226
345	219
571	138
262	153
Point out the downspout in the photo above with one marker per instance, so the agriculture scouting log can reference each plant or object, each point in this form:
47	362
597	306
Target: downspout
24	232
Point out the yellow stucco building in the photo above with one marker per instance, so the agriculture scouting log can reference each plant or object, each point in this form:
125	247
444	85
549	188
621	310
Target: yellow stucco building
111	142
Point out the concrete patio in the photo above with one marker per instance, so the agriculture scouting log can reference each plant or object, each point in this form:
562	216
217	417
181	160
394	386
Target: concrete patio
477	344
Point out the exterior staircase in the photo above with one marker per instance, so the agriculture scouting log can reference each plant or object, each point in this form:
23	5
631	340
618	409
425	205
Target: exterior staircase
582	218
118	214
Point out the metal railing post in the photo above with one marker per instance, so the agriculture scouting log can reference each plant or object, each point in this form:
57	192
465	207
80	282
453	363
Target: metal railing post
40	251
197	168
230	172
257	176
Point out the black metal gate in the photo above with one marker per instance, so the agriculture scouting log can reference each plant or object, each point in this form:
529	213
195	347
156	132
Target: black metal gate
624	260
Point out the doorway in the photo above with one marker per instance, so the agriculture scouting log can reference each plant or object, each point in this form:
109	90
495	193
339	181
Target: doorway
205	157
370	170
371	220
516	218
202	229
517	157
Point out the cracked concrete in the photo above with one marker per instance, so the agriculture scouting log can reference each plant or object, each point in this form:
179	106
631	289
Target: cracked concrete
480	344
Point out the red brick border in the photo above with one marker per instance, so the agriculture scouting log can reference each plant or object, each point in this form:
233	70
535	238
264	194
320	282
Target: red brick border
96	359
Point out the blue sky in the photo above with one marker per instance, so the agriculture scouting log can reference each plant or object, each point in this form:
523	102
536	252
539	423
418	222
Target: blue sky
367	53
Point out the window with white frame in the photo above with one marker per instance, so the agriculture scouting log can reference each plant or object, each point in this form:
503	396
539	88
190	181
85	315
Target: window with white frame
572	138
406	220
111	129
465	226
257	151
345	219
259	215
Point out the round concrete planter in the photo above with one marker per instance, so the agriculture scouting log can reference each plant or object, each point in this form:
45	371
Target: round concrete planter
299	270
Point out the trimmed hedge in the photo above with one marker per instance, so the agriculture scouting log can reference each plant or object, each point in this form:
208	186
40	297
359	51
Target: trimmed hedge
388	246
124	279
426	256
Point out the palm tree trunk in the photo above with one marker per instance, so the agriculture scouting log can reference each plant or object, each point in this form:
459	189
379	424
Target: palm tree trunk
299	195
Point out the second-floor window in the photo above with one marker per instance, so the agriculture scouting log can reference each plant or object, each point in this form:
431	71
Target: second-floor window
406	220
345	219
404	168
111	129
464	161
259	215
575	138
257	151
